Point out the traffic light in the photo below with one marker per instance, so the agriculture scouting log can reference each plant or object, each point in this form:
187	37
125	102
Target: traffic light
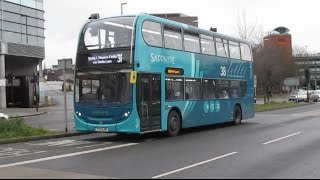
307	75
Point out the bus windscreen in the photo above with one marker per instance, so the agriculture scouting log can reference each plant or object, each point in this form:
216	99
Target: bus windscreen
109	33
98	89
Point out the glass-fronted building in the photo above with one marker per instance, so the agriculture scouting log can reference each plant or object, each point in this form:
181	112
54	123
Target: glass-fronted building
21	51
309	62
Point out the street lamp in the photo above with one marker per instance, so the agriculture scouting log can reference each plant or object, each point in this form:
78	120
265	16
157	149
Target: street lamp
122	4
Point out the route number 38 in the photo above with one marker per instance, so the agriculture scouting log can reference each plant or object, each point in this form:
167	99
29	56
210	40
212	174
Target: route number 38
223	71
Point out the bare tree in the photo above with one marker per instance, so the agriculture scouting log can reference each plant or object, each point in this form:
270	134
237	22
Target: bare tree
251	33
300	50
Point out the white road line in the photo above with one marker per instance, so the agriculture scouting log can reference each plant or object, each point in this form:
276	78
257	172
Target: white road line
306	113
95	145
12	156
75	144
66	155
269	142
191	166
269	115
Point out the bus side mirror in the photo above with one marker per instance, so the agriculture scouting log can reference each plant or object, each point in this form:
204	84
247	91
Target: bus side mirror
133	77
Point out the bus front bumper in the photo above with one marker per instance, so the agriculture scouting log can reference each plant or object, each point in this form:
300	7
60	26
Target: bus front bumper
123	127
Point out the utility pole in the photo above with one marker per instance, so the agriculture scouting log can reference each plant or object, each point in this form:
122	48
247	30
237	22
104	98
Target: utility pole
316	74
65	95
122	4
307	76
3	99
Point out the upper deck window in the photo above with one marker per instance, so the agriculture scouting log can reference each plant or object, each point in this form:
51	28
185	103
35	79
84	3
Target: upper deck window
207	45
246	52
172	38
109	33
152	33
191	42
234	50
222	47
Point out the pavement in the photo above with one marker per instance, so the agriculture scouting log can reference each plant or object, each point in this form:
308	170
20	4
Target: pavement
30	173
48	117
44	108
23	112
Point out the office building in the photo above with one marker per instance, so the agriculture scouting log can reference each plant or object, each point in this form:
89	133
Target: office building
21	51
309	62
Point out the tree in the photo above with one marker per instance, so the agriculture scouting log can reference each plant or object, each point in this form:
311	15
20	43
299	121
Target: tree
272	66
272	63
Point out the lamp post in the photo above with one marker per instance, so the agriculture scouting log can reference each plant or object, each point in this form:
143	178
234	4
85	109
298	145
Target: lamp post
122	4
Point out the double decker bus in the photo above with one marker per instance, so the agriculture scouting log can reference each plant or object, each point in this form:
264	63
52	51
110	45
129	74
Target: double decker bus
140	74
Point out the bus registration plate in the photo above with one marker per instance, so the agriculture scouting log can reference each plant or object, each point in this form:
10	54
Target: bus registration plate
98	129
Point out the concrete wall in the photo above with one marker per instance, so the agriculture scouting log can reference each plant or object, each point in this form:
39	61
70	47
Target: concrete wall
21	66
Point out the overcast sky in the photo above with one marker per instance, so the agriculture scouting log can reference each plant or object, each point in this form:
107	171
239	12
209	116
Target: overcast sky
65	18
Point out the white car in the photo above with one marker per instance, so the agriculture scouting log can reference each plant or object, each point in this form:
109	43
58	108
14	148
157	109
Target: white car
315	96
300	96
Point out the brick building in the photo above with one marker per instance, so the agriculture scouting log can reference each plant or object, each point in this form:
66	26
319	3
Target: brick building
281	39
190	20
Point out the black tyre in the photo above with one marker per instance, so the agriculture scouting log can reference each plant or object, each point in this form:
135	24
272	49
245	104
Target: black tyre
174	124
237	115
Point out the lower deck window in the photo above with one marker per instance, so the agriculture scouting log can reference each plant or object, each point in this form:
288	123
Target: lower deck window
204	89
193	89
174	88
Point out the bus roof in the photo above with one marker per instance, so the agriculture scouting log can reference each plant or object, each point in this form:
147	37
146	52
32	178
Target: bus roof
181	25
193	28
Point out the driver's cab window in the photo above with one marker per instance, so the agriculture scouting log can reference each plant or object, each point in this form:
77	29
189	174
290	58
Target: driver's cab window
90	89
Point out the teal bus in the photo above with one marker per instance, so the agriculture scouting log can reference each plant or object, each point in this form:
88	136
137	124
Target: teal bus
141	74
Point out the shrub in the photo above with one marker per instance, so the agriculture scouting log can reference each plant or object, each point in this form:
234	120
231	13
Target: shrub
16	128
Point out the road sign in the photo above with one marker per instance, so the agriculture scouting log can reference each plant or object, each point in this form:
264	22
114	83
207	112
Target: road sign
291	81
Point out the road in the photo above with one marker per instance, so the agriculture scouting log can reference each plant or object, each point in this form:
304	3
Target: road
55	118
278	144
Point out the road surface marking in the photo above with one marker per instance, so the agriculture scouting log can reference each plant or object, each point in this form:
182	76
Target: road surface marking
95	145
61	143
10	152
66	155
269	115
312	113
191	166
269	142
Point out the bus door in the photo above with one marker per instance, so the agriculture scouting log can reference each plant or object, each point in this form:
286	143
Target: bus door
149	101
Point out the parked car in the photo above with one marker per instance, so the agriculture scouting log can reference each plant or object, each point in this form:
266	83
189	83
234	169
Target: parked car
299	96
315	96
293	96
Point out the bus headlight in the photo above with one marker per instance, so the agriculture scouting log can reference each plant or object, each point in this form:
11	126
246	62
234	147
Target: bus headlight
79	114
127	114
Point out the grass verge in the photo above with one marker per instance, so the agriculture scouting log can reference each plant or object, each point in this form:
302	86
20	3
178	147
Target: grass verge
275	105
15	128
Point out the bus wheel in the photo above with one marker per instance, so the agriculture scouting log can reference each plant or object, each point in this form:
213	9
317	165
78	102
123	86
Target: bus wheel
237	115
174	124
